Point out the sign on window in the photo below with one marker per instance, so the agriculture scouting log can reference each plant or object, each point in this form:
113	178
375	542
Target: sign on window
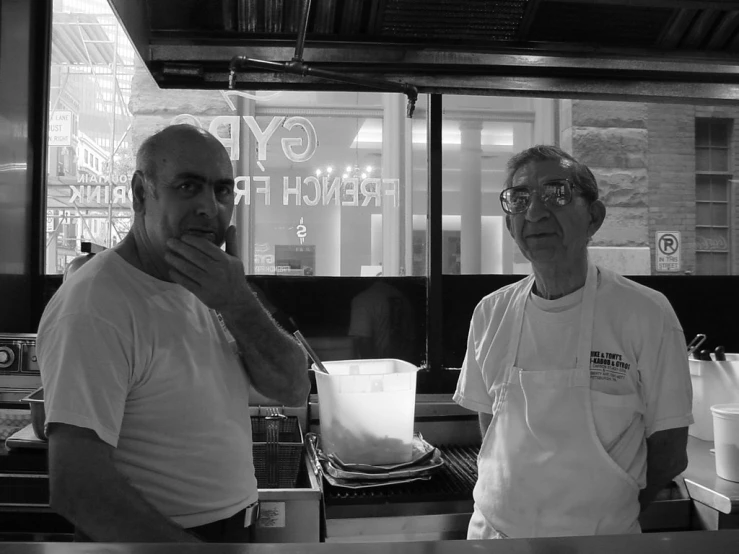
60	128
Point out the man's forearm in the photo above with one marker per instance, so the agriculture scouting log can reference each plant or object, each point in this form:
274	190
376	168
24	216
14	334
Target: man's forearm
666	459
107	508
650	492
275	361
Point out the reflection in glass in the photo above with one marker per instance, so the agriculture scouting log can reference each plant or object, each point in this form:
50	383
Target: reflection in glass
382	322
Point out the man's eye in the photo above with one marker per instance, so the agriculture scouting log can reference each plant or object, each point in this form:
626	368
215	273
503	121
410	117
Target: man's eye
187	186
224	191
519	197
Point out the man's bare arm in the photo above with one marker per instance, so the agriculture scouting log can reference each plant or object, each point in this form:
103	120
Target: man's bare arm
667	457
275	361
91	493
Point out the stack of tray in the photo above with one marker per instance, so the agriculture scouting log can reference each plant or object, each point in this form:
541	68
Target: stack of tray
425	461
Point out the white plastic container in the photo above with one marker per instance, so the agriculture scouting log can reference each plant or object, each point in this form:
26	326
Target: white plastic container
367	408
726	441
713	383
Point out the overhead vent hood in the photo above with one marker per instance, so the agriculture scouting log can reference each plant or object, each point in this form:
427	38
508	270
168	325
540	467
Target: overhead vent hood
670	50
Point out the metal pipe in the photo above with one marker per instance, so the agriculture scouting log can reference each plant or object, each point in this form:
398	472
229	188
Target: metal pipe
302	31
300	68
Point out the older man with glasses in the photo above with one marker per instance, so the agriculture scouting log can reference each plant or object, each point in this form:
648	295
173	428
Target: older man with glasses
580	376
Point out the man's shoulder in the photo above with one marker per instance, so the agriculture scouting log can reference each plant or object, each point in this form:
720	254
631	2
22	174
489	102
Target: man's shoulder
94	289
500	299
631	295
505	293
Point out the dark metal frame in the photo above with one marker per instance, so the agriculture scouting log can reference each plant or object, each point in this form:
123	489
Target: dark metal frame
434	308
40	38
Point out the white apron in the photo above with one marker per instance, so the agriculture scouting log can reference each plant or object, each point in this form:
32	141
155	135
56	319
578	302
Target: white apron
542	471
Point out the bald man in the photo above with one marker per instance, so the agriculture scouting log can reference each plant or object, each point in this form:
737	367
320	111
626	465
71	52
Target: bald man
147	358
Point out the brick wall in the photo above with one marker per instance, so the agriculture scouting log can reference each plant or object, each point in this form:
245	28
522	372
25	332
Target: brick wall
671	166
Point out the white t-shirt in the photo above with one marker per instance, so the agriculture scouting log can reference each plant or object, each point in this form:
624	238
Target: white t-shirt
639	373
148	367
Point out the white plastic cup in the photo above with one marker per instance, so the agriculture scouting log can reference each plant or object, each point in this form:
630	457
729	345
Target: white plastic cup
713	383
726	440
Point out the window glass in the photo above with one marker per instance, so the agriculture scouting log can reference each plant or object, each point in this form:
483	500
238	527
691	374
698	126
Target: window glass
327	183
713	221
702	132
90	150
702	160
664	207
719	160
702	187
479	135
336	183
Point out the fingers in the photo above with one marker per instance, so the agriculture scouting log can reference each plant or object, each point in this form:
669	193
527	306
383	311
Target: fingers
197	250
232	247
185	266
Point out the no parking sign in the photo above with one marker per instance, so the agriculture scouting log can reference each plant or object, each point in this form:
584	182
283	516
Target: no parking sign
668	250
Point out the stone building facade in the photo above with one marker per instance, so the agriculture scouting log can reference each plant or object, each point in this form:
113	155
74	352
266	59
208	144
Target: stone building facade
644	156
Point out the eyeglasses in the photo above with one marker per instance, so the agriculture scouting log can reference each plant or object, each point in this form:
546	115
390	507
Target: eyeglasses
554	194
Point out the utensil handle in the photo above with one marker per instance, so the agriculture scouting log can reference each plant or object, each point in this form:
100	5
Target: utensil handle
696	342
311	353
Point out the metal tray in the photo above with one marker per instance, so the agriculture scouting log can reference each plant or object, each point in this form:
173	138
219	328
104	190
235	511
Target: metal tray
428	463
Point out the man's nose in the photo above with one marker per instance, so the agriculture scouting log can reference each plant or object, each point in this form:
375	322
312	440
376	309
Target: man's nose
537	210
207	204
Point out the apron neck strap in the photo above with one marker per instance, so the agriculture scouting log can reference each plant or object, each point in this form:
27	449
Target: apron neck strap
587	319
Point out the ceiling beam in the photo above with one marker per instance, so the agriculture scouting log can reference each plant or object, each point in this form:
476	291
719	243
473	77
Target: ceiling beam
698	32
723	32
675	30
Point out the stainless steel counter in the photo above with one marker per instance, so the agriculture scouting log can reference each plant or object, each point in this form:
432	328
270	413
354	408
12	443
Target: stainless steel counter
710	542
702	482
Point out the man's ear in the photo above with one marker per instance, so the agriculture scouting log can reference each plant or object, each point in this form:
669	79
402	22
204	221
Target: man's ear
597	212
138	191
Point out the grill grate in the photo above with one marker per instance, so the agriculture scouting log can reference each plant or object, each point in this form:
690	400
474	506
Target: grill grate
454	481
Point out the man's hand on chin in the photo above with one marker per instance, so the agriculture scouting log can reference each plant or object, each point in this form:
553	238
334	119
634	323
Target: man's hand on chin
214	276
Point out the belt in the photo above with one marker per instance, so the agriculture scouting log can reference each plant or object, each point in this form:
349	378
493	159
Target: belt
251	515
237	528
